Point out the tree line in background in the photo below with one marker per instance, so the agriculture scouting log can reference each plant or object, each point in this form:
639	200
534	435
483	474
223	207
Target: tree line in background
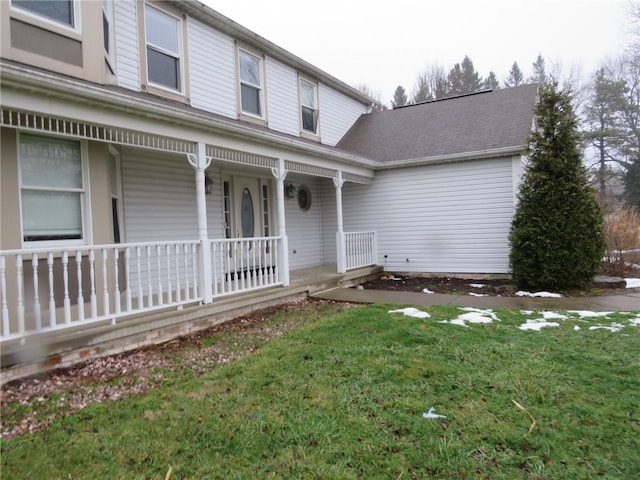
607	105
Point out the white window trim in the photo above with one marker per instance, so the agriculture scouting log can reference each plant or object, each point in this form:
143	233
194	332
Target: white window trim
259	87
37	18
85	195
304	132
180	57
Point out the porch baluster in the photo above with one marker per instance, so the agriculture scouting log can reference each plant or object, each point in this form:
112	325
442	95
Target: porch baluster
127	279
176	252
36	293
21	326
65	281
149	287
80	296
93	298
160	293
105	291
139	275
169	286
52	300
3	294
194	269
116	293
187	291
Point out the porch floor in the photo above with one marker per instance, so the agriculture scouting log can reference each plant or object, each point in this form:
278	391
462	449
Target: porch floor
47	350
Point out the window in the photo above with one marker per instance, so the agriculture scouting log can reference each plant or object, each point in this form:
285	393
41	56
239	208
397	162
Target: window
309	106
250	83
163	48
52	189
106	26
60	11
116	194
227	208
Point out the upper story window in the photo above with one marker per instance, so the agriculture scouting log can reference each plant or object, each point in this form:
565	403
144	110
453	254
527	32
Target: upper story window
107	26
52	189
163	48
251	96
309	106
60	11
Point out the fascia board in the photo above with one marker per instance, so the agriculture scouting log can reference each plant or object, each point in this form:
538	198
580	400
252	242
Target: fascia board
454	157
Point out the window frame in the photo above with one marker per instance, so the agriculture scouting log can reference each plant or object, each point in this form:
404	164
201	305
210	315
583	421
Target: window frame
261	88
85	195
30	14
148	84
304	132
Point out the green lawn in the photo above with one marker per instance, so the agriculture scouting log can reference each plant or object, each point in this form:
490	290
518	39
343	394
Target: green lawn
342	397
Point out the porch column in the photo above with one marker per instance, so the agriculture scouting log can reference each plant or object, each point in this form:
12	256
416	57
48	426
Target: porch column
283	252
200	162
340	240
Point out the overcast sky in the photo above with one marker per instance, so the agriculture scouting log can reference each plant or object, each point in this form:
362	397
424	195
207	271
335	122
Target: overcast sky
386	43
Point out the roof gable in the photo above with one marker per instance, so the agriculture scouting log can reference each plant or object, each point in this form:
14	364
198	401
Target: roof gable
491	120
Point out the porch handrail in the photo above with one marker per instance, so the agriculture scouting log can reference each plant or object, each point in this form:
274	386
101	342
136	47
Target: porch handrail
361	249
46	289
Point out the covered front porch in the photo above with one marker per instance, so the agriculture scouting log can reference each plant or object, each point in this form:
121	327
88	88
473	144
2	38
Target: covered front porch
89	284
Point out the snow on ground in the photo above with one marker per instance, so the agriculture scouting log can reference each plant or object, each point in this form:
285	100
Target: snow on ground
478	294
633	282
477	285
522	293
411	312
478	315
426	290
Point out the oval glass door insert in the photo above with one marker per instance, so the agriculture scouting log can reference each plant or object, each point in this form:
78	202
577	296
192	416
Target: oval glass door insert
246	214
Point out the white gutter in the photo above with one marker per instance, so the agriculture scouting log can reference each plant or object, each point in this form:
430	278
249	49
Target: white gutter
22	78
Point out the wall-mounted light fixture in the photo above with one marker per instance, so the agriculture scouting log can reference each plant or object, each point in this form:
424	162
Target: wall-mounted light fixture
208	184
289	190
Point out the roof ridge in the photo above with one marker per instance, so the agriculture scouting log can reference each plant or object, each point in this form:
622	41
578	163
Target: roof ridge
460	95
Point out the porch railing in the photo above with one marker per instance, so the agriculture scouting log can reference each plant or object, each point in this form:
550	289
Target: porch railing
360	249
45	290
244	264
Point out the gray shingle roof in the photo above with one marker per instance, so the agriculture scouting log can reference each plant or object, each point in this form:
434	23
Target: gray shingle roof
484	121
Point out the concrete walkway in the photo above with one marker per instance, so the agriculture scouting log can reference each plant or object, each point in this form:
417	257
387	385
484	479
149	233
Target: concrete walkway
627	302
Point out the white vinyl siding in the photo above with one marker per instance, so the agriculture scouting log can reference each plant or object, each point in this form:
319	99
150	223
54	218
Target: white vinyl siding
337	114
282	97
211	70
304	229
126	28
452	218
159	197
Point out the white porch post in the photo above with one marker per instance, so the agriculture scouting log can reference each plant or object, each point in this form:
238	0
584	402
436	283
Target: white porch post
280	173
200	162
340	240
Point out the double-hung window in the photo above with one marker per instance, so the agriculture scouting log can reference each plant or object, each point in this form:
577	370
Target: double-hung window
163	48
52	189
251	97
59	11
309	106
107	25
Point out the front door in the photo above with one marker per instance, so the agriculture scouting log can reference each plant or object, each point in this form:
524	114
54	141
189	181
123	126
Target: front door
247	217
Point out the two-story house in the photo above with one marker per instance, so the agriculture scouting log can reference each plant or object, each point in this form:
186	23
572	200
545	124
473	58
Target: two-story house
157	155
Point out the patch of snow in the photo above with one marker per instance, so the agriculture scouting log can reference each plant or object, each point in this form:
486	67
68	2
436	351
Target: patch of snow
576	328
478	294
411	312
633	282
426	290
538	294
537	325
474	315
613	327
589	313
553	315
634	322
432	414
526	312
477	285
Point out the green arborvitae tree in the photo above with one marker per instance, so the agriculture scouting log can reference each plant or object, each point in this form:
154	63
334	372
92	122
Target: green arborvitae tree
515	76
557	239
399	97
